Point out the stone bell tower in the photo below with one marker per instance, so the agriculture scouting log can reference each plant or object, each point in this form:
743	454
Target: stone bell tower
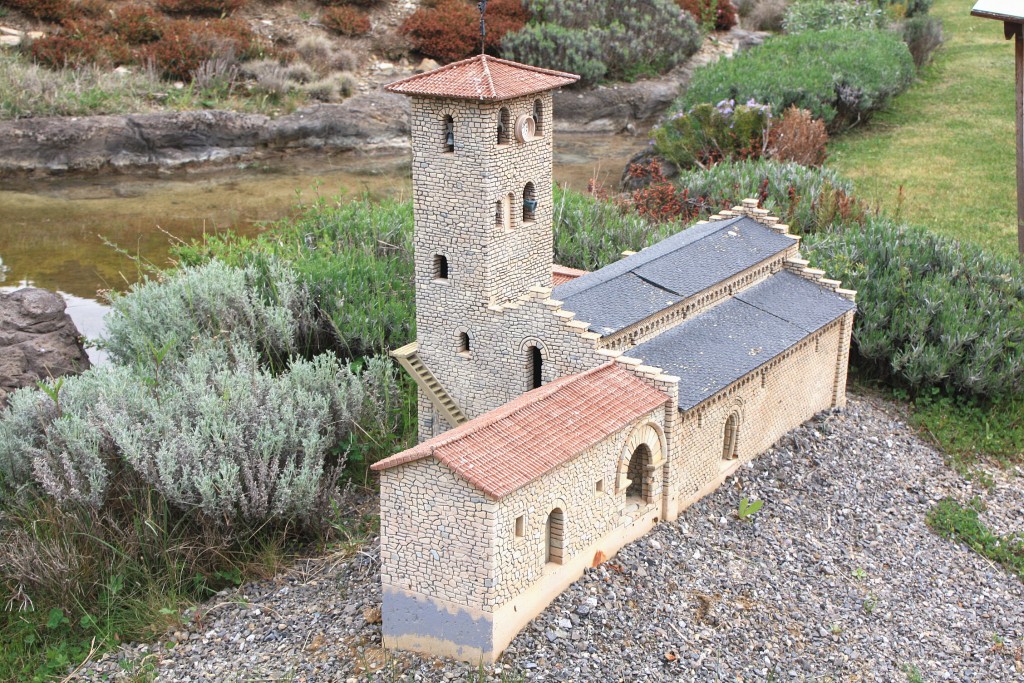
481	173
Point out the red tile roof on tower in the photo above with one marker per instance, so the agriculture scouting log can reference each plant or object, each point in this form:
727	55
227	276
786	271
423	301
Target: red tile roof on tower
507	448
482	78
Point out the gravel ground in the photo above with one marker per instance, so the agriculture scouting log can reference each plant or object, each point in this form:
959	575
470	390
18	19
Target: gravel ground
837	578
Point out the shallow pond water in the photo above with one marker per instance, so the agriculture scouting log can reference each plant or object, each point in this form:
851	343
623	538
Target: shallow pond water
81	235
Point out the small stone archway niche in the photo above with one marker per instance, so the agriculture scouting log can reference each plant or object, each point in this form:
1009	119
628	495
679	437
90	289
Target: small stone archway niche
534	352
730	436
554	537
639	461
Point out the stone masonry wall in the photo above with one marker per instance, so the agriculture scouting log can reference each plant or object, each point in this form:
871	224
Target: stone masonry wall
768	402
589	515
436	534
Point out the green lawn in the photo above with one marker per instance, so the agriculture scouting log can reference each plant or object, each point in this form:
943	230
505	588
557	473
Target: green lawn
948	141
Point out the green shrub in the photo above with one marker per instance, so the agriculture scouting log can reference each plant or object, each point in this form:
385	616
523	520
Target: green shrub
840	76
807	199
355	258
898	9
591	233
631	39
708	134
923	36
821	15
576	50
934	312
950	519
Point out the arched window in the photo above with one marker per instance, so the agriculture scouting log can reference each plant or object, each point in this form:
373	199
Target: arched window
529	203
729	437
554	537
507	217
639	472
464	343
440	267
504	126
538	117
499	213
535	367
448	134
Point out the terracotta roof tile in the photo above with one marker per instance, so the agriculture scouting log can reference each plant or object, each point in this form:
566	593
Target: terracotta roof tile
507	448
562	274
482	78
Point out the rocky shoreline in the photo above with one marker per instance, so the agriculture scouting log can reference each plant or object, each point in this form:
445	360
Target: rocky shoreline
371	123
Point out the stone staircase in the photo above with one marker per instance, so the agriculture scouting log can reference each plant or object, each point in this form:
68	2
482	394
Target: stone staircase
445	405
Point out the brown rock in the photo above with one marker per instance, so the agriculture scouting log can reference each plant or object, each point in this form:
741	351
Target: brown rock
38	340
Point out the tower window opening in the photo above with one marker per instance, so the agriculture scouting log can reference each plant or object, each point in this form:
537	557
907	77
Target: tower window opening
440	267
464	343
538	117
536	367
449	134
529	203
504	127
499	213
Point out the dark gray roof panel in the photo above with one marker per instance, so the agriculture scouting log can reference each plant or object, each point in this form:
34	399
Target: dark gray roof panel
622	266
718	347
682	265
619	303
797	300
715	258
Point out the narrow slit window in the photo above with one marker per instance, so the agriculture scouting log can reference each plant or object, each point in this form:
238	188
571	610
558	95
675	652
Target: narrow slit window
448	134
599	486
499	213
538	117
555	537
520	526
440	267
504	126
529	203
536	367
463	343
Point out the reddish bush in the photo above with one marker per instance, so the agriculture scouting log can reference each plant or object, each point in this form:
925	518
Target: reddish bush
186	44
720	12
348	21
357	3
73	45
218	8
136	25
48	10
450	29
659	200
798	137
92	9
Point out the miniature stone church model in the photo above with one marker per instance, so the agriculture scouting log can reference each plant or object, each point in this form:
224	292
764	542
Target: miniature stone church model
563	414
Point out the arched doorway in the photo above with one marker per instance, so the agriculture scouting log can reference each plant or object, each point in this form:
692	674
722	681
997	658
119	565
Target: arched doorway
729	437
554	537
639	472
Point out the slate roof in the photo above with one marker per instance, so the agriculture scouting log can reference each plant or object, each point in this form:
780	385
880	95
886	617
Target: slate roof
507	448
482	78
718	347
629	290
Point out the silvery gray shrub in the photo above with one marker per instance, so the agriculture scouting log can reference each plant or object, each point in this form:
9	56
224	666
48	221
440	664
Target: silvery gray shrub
271	312
216	433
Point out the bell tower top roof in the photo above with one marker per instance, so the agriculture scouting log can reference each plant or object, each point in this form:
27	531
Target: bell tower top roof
482	78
